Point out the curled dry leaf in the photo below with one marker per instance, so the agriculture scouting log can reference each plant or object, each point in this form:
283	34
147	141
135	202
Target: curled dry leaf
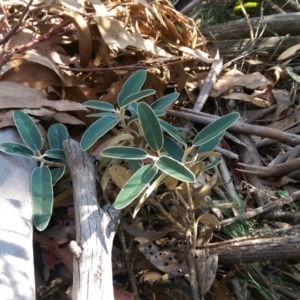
84	37
248	98
119	175
206	267
250	81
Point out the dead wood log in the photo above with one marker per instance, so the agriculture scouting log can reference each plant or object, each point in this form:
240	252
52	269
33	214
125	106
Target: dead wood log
16	252
95	230
231	48
257	250
281	24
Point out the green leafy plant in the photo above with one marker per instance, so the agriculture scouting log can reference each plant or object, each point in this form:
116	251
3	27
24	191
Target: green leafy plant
155	149
42	178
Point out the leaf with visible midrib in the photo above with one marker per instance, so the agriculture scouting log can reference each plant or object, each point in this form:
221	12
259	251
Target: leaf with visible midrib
175	169
96	131
42	196
215	129
151	127
135	186
28	130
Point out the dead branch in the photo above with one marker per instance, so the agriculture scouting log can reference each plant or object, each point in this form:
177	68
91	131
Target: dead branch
282	24
231	48
254	250
95	230
238	126
263	209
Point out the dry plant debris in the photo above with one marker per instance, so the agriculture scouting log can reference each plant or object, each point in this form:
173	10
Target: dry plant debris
55	55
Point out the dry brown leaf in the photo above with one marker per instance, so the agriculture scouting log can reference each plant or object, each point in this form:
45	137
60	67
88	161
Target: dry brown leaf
116	37
288	52
171	183
164	260
32	75
209	220
84	37
15	95
283	100
206	267
248	98
119	175
250	81
67	119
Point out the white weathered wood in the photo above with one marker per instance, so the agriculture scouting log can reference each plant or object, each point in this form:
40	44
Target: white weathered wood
95	230
16	252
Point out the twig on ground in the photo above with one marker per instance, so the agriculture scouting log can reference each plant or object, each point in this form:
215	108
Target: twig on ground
263	209
239	127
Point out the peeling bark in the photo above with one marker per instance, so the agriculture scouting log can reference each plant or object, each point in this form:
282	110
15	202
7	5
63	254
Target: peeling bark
95	230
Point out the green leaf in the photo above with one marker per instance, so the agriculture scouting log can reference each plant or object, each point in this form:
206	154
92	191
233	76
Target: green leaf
57	133
293	75
96	131
132	85
42	196
175	169
55	153
135	186
16	149
123	152
134	165
208	166
151	127
28	130
215	129
212	144
101	105
173	149
137	96
172	131
56	174
165	101
282	193
158	113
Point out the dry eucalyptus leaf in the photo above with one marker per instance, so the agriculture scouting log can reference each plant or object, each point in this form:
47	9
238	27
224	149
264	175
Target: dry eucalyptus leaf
84	37
206	267
250	81
15	95
248	98
164	260
119	175
116	36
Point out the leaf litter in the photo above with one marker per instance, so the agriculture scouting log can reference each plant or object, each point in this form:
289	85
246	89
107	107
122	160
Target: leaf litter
63	53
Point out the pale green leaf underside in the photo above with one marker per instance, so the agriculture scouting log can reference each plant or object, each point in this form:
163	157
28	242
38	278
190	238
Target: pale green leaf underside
124	153
16	149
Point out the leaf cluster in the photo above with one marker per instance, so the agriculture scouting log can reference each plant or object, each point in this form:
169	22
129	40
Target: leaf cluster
42	178
154	149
